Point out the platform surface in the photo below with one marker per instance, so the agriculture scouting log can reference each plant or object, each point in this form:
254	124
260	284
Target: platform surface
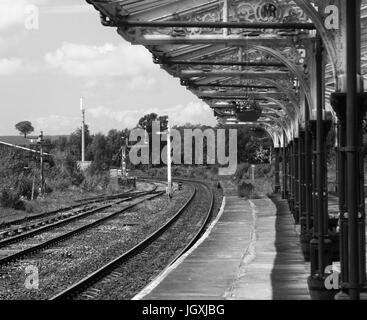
253	252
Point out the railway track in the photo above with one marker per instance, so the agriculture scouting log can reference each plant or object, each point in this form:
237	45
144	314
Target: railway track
111	197
186	219
50	220
34	248
15	224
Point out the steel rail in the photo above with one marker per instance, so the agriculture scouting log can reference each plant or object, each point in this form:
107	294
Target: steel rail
202	228
64	221
51	226
111	197
117	196
52	223
99	274
63	237
88	201
44	214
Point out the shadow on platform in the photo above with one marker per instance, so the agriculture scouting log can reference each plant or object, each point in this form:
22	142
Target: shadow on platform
290	271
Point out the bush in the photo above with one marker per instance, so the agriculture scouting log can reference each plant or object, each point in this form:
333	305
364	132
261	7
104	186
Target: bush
195	172
64	175
10	199
95	182
98	167
264	170
24	187
264	187
48	188
29	207
245	190
242	171
77	178
60	183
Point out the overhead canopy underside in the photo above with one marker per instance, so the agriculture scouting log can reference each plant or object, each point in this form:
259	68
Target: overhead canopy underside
229	50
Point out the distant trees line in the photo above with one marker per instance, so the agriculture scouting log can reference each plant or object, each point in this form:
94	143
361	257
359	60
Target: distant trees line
104	149
19	174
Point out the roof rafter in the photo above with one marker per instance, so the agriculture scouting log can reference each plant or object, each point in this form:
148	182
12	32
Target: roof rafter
209	45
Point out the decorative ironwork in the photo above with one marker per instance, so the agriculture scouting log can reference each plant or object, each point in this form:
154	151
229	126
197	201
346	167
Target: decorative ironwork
253	11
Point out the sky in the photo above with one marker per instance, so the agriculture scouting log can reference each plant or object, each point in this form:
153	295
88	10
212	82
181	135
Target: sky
52	52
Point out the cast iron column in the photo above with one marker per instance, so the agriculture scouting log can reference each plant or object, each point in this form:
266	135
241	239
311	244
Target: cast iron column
301	177
291	176
296	181
312	128
352	149
284	164
321	244
277	168
338	102
307	225
308	173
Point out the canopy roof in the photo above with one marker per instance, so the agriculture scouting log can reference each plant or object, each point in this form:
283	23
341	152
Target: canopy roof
226	51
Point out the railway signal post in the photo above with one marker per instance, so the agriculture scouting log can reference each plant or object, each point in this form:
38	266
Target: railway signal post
40	142
82	109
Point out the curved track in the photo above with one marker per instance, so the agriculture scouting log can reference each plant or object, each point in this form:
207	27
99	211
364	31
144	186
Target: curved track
157	239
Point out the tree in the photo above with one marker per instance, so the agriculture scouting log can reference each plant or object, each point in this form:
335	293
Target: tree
115	140
24	127
75	143
102	156
146	123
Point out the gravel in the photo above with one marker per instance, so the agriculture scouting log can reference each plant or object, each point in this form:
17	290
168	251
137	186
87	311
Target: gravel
139	271
70	261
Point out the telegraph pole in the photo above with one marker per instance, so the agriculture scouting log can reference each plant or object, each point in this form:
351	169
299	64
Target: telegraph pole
82	109
40	141
169	161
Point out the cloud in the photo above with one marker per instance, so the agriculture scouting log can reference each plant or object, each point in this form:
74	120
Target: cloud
103	119
67	9
194	112
14	12
10	66
56	124
141	83
124	61
17	18
122	118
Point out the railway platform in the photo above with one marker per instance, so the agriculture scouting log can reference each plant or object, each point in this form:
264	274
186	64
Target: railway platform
252	252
